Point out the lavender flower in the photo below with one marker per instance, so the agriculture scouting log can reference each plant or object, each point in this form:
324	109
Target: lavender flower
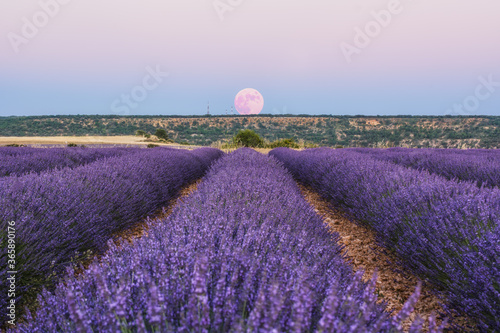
245	252
61	215
443	229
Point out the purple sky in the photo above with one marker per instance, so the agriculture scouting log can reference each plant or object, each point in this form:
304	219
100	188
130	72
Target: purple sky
305	57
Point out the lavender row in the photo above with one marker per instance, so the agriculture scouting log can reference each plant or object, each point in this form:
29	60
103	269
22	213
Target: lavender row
444	231
243	253
479	166
15	151
19	161
61	214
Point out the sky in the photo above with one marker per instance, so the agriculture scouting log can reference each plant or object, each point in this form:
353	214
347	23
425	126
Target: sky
173	57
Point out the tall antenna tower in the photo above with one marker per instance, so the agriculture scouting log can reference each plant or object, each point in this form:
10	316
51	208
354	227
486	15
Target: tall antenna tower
208	108
232	110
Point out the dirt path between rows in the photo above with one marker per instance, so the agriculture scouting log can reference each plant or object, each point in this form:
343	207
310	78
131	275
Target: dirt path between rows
139	229
364	253
361	249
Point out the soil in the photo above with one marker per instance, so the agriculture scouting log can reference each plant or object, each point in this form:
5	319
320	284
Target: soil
394	285
140	229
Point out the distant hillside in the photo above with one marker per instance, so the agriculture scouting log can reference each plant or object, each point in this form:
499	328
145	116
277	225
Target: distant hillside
347	131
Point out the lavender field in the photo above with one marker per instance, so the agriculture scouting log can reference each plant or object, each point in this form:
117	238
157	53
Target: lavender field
244	251
439	215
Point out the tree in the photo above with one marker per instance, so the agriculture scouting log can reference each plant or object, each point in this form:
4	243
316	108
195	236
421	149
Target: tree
161	134
288	143
248	138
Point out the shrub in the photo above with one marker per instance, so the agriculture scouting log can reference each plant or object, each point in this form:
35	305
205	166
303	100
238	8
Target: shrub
311	145
15	145
161	134
143	134
248	138
287	143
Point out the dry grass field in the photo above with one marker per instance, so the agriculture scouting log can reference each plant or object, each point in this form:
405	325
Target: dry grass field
98	140
83	140
49	140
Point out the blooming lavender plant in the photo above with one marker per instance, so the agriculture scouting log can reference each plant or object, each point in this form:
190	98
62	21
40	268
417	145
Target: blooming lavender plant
447	232
16	151
25	160
476	165
60	215
244	253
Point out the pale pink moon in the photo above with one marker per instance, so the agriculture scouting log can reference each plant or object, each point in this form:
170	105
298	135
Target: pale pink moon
249	101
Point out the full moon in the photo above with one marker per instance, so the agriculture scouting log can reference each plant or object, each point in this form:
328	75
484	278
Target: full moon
249	101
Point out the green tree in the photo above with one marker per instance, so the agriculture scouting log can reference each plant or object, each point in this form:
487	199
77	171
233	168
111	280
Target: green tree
288	143
248	138
161	134
143	134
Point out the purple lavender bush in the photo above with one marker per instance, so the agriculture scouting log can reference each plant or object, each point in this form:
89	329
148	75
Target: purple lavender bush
446	232
16	151
243	253
477	165
35	160
60	215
